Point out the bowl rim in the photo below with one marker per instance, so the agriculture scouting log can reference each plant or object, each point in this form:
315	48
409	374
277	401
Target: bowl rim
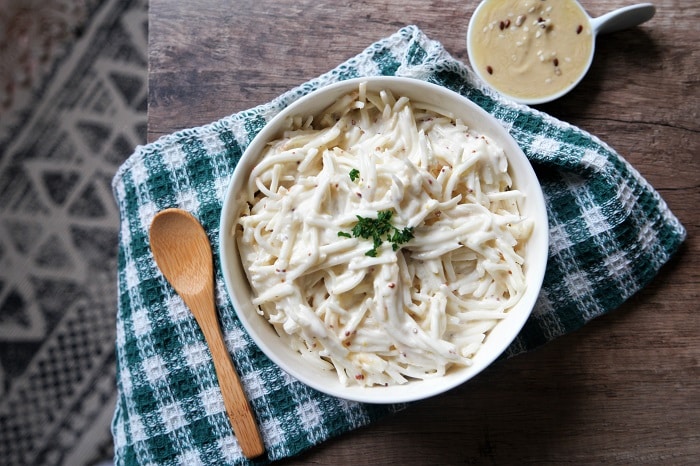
232	272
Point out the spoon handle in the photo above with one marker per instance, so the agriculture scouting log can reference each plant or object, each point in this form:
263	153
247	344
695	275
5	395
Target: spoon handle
238	409
623	18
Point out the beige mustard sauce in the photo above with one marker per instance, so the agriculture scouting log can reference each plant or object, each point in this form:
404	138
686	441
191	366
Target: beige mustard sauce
530	49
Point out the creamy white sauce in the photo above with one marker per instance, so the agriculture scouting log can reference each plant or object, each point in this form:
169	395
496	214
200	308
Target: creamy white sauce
409	313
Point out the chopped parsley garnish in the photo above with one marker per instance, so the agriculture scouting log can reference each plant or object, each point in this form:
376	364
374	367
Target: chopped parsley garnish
379	230
354	174
344	234
400	237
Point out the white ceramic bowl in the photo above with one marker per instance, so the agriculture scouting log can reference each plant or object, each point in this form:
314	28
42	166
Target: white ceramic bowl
616	20
500	337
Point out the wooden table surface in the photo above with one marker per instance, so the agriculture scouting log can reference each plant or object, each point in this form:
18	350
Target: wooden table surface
625	388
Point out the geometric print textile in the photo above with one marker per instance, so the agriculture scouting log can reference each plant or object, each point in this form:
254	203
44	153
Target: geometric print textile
73	79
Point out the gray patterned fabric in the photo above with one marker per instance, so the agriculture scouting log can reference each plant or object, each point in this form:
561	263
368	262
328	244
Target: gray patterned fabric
61	143
610	233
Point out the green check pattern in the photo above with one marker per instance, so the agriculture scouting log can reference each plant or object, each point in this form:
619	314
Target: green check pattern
610	233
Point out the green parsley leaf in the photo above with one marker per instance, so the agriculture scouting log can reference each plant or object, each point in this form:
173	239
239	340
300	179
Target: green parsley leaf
400	237
379	230
354	174
344	234
384	216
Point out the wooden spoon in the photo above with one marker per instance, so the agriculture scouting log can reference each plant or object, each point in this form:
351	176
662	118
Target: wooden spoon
182	251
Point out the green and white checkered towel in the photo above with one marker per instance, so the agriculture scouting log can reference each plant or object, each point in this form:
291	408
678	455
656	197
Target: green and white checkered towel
610	233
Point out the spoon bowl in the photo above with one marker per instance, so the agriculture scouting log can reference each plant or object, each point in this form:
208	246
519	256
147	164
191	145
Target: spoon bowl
183	253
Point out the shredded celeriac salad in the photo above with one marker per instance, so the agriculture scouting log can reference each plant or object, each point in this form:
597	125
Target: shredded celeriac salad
383	239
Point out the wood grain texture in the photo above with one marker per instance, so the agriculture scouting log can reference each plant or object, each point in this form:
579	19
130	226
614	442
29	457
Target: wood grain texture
624	389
